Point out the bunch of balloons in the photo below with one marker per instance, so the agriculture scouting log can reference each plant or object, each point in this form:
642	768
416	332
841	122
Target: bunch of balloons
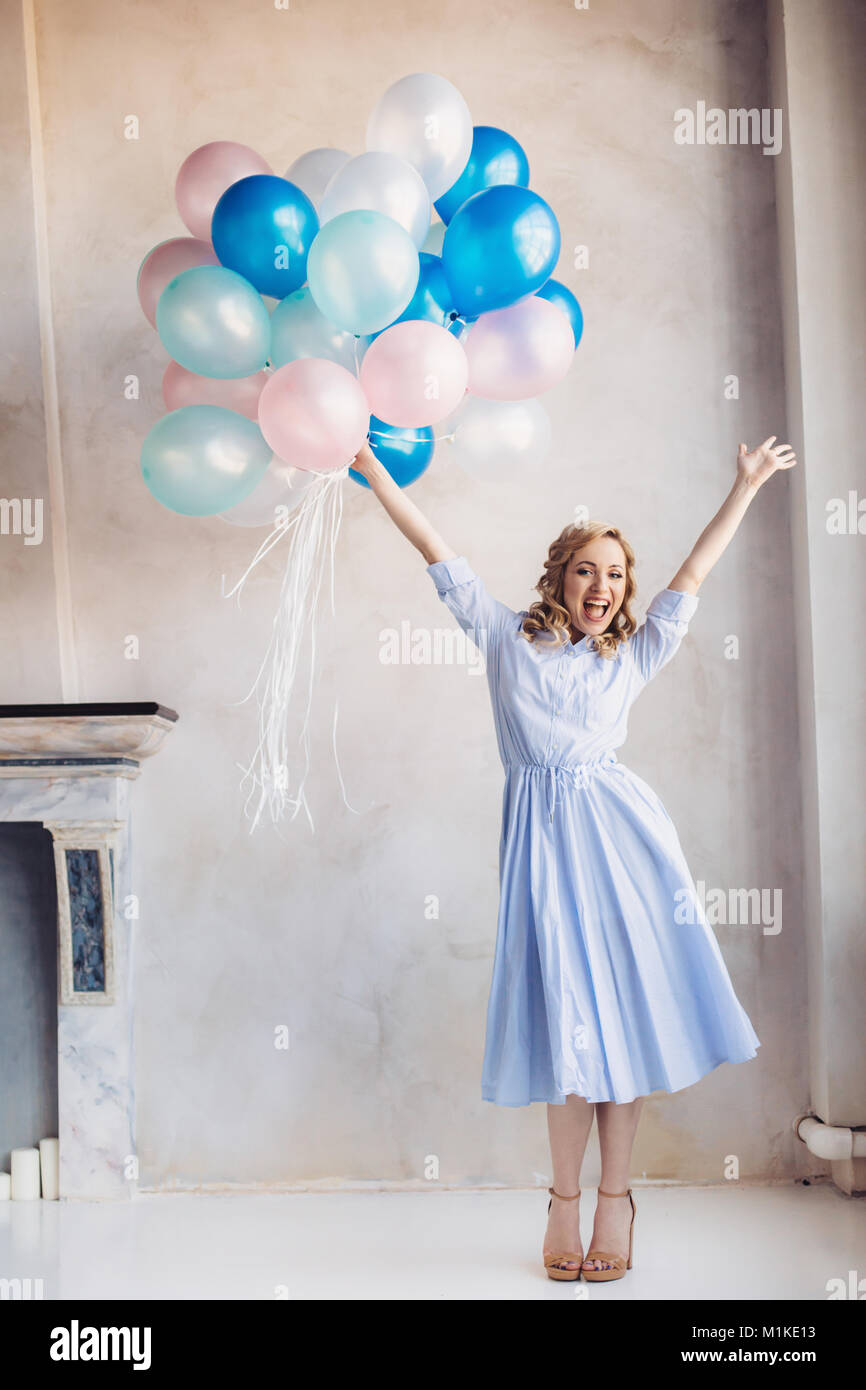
308	312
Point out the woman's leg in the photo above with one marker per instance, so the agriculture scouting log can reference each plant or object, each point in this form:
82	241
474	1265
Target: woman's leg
616	1130
568	1126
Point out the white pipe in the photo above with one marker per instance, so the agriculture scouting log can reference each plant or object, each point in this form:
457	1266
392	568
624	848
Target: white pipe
830	1141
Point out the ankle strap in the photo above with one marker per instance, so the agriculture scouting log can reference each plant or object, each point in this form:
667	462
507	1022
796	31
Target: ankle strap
602	1193
564	1199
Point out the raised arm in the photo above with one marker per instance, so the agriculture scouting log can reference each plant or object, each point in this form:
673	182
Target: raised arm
753	470
402	510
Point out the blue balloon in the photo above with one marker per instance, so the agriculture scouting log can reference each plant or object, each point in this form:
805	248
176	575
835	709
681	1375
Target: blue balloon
432	299
496	158
405	453
263	227
563	299
500	246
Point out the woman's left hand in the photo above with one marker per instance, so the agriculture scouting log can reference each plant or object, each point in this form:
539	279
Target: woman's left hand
756	467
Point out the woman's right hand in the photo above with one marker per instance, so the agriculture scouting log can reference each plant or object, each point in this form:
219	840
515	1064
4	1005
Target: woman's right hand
365	460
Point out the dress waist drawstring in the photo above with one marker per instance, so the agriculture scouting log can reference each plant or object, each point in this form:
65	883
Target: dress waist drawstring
576	775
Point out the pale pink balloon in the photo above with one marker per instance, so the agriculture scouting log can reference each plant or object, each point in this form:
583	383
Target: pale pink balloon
519	352
166	260
414	374
314	414
241	393
204	177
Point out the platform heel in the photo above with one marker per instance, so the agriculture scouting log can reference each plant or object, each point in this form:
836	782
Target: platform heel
555	1259
617	1264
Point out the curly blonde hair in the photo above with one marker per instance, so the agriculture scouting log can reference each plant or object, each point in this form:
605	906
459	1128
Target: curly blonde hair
549	615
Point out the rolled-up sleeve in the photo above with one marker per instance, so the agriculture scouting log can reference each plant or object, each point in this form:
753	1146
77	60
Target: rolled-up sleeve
666	624
481	617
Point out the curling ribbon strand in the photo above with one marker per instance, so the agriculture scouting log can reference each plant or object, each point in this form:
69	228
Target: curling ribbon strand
315	527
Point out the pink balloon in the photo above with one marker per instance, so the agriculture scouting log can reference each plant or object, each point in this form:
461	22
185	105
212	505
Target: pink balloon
241	393
518	352
313	414
414	373
166	260
204	177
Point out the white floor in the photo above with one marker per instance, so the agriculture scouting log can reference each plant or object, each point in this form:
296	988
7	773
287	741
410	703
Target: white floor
784	1241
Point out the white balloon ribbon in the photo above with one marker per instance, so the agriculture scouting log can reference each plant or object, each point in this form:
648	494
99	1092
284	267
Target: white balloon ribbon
276	776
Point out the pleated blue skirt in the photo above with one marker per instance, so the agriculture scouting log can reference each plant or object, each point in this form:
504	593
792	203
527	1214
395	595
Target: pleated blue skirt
608	981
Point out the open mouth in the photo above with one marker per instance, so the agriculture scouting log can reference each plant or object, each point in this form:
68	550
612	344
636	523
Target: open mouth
595	609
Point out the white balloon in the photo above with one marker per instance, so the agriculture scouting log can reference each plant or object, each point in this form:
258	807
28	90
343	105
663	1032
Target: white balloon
311	172
274	498
424	119
495	439
434	239
380	183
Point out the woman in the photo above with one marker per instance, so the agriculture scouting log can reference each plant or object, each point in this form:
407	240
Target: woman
608	982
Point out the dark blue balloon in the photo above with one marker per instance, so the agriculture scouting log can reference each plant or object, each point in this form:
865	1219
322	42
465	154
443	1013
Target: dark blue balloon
263	227
405	453
496	158
432	298
563	299
500	246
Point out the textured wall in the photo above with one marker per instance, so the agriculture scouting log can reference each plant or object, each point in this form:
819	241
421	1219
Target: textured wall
327	933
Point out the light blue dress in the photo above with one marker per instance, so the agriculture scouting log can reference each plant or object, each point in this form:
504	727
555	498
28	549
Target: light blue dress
608	981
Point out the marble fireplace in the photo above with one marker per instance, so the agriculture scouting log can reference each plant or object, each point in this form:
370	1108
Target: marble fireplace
70	769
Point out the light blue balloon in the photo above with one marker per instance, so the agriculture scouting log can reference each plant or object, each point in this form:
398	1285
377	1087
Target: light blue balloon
213	322
298	329
203	459
362	270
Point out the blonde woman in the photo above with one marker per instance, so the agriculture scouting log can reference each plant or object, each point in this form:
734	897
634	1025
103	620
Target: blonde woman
608	982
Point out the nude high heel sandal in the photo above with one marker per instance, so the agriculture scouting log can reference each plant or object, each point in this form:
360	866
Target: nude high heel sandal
553	1259
617	1266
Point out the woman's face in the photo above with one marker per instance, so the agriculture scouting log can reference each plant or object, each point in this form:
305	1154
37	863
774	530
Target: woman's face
594	585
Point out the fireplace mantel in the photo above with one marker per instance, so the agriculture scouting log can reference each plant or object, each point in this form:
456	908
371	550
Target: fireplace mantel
69	769
84	740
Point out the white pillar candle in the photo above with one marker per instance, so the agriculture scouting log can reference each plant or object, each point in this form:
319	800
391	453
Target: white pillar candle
5	1186
50	1164
25	1175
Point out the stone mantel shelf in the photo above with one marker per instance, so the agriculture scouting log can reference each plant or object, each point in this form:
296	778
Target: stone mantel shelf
81	739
